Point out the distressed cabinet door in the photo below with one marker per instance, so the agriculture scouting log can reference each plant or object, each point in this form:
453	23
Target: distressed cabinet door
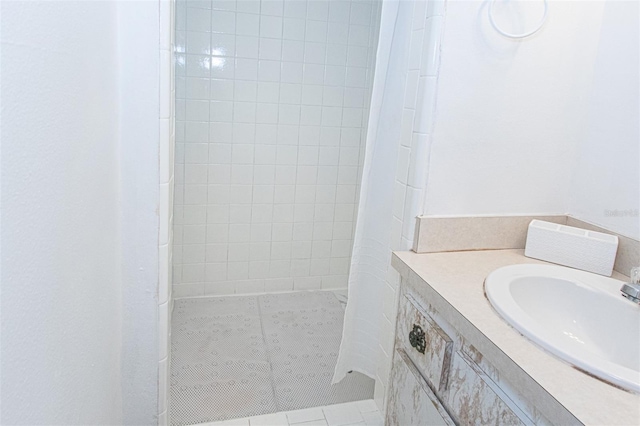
476	399
411	401
428	346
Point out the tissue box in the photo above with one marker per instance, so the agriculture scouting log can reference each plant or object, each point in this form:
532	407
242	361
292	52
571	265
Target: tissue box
574	247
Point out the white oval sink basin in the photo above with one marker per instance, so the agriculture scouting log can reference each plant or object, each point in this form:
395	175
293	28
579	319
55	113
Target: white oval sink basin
578	316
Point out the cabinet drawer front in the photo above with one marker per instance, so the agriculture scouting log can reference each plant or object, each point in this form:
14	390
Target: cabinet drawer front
476	399
428	346
411	401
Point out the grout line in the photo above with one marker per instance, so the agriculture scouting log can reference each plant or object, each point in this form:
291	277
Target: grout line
268	353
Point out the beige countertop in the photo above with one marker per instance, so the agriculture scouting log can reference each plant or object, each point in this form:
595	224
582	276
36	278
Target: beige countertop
453	283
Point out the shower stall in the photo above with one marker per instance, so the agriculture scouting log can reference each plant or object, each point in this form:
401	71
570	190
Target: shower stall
271	107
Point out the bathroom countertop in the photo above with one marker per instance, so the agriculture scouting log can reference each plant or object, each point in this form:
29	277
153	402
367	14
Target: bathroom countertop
453	284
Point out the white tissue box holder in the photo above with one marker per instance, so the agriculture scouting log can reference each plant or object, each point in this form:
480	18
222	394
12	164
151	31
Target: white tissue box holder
574	247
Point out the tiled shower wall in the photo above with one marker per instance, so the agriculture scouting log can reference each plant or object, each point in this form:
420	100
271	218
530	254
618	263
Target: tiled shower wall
272	100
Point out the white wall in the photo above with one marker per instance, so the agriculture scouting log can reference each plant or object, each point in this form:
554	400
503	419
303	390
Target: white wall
605	188
509	113
271	109
139	107
61	282
80	221
548	124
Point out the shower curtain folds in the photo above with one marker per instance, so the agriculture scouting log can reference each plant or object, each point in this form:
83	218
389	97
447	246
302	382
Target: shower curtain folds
372	244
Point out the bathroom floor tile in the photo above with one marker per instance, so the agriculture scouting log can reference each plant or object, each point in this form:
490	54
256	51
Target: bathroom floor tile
342	414
367	406
275	419
306	415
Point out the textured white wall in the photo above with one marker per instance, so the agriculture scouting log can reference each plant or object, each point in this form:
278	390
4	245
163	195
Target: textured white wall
509	113
61	283
80	145
139	103
606	182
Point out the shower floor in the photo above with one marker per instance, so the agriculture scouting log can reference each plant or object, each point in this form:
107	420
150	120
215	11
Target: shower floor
240	356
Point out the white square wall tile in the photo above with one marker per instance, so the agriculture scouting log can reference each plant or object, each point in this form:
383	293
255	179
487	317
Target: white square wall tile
293	29
197	110
220	288
425	108
318	10
337	32
270	48
198	21
307	283
359	35
292	50
223	22
250	286
270	26
295	9
315	52
223	44
220	68
198	43
339	11
246	69
272	7
336	53
220	90
291	73
316	31
269	71
247	24
361	13
313	74
290	93
248	6
247	46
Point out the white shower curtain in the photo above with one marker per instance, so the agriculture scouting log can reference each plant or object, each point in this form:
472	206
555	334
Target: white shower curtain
372	245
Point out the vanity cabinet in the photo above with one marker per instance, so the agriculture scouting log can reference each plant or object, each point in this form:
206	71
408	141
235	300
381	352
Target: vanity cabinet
437	378
414	402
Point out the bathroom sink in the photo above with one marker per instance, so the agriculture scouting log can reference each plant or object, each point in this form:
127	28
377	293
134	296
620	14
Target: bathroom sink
578	316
